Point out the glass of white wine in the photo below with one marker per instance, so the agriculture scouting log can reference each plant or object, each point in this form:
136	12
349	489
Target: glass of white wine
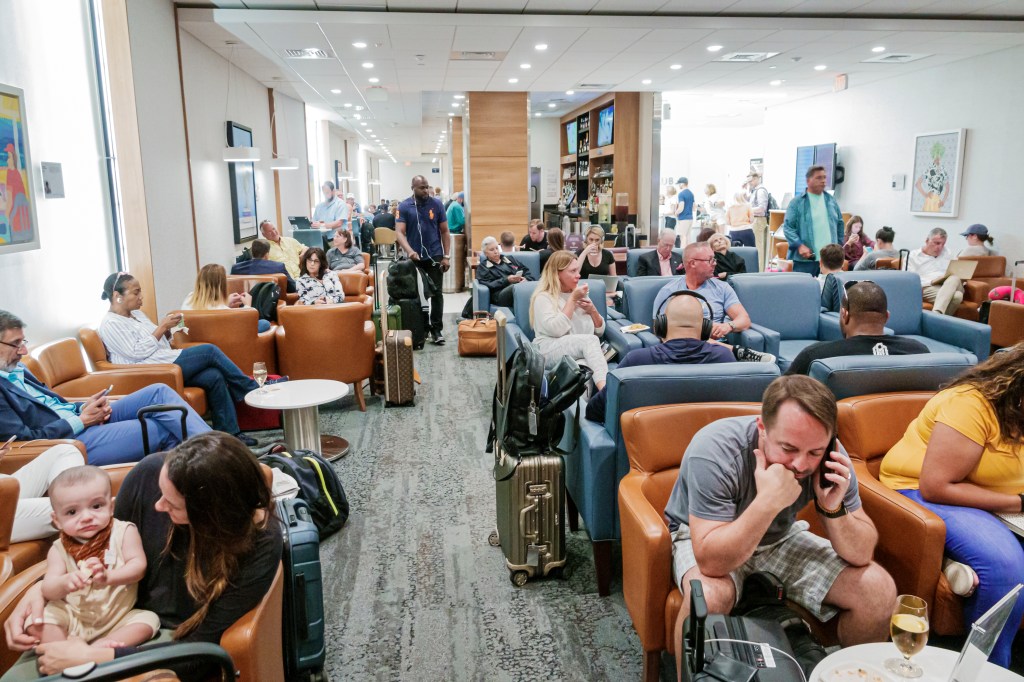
259	373
909	630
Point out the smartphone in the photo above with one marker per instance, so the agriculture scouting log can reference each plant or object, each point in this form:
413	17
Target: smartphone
822	469
9	441
107	390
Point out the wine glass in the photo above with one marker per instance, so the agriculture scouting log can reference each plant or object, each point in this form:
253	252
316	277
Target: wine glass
909	630
259	373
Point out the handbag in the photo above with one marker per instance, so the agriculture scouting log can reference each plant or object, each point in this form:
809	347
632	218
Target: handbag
478	336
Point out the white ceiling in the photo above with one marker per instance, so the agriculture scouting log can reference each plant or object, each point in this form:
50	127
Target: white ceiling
616	44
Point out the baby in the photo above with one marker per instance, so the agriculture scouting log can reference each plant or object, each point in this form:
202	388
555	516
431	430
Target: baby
93	569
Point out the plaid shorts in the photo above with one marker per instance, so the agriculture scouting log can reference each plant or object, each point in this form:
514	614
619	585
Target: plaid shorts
804	562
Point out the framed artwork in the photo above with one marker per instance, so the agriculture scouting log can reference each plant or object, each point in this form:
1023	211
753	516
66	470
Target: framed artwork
938	170
19	227
242	179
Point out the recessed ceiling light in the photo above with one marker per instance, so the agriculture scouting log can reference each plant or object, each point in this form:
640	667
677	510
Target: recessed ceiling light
367	65
524	66
362	123
570	92
772	68
359	107
513	80
537	114
336	91
676	67
373	136
348	104
540	46
451	113
360	45
820	67
369	130
356	116
714	48
776	82
551	105
879	48
646	81
375	80
456	105
459	97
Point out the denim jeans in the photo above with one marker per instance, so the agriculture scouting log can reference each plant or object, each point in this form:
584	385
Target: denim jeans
262	326
980	540
207	367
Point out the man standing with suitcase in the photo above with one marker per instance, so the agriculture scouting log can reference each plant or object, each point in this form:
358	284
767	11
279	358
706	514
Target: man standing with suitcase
422	231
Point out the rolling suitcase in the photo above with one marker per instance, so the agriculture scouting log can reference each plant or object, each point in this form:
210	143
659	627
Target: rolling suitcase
302	615
394	314
413	319
399	388
530	494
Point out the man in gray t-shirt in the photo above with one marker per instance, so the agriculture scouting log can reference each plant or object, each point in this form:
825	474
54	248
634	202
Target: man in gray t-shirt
733	512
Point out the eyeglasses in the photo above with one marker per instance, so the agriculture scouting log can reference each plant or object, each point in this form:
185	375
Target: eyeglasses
17	346
709	261
853	282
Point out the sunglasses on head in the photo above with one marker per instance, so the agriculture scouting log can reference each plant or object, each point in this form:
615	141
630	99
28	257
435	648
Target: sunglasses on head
853	282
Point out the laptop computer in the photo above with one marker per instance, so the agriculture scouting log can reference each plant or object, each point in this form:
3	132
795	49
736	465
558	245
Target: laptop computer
611	282
1015	522
300	222
964	269
982	638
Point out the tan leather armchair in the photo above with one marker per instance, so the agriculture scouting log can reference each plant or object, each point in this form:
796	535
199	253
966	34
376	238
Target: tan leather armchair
234	332
1007	322
911	539
241	284
356	287
327	342
97	354
990	273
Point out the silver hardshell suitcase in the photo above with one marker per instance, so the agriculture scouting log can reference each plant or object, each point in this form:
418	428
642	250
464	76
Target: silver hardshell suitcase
530	499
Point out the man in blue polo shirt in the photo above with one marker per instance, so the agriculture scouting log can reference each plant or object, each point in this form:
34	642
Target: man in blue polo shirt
684	219
422	232
699	261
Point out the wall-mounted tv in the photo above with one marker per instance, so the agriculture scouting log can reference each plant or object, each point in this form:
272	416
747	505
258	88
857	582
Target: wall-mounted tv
570	136
605	125
816	155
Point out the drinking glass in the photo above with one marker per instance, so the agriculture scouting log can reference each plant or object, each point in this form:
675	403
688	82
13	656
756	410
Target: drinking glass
909	630
259	373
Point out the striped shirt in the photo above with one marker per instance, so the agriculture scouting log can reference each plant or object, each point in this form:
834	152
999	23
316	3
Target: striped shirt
130	341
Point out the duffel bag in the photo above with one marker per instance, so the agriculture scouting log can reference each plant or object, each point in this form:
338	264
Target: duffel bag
478	336
319	487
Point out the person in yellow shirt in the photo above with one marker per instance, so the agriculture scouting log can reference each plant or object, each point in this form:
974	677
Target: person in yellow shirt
963	459
283	249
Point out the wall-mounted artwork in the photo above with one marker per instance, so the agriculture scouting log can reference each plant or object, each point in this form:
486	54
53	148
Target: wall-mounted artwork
19	228
242	179
938	170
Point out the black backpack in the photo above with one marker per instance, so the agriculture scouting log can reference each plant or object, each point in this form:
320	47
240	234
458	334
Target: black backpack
402	277
366	237
319	487
244	256
265	296
772	204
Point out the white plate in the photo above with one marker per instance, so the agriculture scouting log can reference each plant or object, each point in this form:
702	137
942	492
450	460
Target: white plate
854	672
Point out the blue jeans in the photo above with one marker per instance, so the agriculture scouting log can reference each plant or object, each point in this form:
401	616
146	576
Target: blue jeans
980	540
207	367
120	439
262	326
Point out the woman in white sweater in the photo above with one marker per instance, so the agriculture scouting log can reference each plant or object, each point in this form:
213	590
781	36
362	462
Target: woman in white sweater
565	321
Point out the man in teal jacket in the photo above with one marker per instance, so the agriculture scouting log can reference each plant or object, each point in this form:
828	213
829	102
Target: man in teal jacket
456	214
813	220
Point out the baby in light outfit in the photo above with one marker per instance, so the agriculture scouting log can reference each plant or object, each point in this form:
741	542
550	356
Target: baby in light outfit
93	569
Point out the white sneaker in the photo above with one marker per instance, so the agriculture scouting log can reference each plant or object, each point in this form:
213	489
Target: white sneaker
746	355
962	578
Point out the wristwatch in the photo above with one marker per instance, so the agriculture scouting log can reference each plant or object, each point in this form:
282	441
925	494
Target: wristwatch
731	325
841	510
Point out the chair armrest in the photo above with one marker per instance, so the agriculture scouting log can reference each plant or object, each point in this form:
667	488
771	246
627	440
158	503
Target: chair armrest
254	640
512	335
976	291
911	539
126	380
614	314
770	339
828	327
9	489
620	340
23	452
11	593
646	564
973	336
481	297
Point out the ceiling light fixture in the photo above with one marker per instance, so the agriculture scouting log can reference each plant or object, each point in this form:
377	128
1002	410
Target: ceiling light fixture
451	113
359	45
714	48
356	116
456	105
646	81
359	107
551	105
335	91
513	80
775	83
459	97
367	65
540	47
537	114
524	66
878	48
374	80
676	67
348	104
820	67
570	92
362	123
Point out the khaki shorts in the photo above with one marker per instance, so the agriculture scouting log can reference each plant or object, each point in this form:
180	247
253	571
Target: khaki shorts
59	614
804	562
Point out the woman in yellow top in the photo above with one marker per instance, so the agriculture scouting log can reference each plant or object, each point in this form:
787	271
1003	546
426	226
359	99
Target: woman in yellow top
963	459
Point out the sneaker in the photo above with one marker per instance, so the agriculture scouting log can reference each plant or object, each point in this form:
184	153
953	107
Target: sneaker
962	578
437	338
746	355
248	441
279	380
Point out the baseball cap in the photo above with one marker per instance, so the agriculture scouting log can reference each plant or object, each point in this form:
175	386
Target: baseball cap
753	174
683	181
976	228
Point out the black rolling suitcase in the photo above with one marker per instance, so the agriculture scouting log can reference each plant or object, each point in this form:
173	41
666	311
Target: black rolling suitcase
413	319
302	616
147	661
142	413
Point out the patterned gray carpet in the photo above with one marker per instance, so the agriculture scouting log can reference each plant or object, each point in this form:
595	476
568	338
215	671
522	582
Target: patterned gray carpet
412	589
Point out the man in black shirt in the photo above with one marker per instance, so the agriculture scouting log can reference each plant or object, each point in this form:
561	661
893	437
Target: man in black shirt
536	238
862	318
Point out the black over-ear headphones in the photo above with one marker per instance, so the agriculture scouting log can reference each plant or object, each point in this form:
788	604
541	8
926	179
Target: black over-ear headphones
660	325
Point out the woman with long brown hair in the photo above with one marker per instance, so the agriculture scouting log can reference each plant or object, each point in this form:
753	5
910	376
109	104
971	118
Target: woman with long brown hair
211	293
212	548
963	459
855	241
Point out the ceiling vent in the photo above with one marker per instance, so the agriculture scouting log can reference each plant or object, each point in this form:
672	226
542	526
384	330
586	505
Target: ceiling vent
308	53
894	58
595	86
746	57
376	93
467	56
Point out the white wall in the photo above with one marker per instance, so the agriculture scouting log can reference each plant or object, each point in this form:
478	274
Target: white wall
205	77
162	141
874	127
56	289
720	156
291	141
396	178
544	148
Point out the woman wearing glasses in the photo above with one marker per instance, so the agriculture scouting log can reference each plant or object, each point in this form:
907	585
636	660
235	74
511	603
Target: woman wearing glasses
317	284
132	339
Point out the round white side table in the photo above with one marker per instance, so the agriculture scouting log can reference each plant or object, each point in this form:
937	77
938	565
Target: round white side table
298	401
936	662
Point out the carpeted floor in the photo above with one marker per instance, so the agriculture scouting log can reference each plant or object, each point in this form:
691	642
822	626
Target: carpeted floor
412	589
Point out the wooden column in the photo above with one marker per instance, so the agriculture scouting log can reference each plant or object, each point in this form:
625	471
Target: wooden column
497	159
456	155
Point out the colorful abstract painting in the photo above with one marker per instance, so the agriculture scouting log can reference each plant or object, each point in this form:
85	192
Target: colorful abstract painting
19	230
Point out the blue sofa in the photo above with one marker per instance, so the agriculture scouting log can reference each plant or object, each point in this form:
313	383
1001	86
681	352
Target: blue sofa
853	375
313	238
633	259
482	295
598	461
749	255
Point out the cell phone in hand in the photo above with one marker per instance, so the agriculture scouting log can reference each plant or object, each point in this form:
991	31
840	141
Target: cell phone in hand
107	390
822	469
9	441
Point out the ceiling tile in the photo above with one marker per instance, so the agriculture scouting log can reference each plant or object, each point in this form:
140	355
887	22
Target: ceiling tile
503	6
559	6
493	38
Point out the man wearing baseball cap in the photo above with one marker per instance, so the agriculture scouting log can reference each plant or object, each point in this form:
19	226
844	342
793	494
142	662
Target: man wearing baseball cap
685	217
977	235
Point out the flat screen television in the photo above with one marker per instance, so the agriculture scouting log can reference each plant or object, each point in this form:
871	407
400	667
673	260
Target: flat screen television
570	136
605	125
816	155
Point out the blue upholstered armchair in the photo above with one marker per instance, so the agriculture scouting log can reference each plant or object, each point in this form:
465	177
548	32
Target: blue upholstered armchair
528	259
853	375
598	462
749	256
633	259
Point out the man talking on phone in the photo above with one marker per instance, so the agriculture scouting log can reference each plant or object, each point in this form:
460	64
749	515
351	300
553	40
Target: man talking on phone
733	512
110	431
422	232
